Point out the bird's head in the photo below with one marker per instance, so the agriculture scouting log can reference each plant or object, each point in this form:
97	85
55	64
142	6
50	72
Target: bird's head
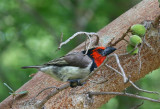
103	51
99	54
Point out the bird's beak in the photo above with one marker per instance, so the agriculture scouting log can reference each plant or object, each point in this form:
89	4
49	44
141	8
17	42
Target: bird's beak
108	51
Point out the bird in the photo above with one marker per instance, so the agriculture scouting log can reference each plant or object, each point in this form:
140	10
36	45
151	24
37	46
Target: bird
76	65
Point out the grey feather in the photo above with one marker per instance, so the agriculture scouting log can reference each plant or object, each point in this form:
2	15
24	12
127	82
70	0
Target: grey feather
37	67
77	59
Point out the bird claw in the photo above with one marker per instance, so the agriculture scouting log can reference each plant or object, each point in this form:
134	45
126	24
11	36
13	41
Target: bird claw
75	83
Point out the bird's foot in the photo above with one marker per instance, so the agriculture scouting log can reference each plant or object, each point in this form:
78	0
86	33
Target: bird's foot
75	83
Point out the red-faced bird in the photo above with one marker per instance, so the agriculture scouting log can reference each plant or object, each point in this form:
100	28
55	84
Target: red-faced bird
75	66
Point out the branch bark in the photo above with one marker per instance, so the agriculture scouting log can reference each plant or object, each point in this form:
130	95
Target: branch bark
146	10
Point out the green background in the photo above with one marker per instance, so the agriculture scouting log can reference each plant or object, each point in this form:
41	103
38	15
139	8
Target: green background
30	32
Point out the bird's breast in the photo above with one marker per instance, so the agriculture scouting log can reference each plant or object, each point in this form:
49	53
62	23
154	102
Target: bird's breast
99	60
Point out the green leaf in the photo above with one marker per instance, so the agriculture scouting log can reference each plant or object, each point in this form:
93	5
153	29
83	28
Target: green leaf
22	92
8	87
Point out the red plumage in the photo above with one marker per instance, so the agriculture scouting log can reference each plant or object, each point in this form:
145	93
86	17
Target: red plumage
98	58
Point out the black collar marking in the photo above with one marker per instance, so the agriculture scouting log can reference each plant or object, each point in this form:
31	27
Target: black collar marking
93	66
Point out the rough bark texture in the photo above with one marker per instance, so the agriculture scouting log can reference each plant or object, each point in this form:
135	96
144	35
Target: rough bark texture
146	10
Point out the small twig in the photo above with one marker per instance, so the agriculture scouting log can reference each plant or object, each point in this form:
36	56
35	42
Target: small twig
124	54
122	71
85	44
139	89
90	41
123	94
137	106
147	24
149	45
89	37
121	37
97	40
142	89
46	89
139	58
8	87
40	104
113	69
144	40
126	41
76	34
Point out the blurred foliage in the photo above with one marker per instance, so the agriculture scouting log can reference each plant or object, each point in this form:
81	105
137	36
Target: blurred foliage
30	33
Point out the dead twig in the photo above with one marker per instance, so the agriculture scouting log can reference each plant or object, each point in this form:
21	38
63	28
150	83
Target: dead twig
122	94
137	106
90	41
125	54
46	89
40	104
148	45
76	34
120	39
139	58
142	90
139	89
120	67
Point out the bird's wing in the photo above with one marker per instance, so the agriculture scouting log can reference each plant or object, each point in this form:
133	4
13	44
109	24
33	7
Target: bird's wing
77	59
59	62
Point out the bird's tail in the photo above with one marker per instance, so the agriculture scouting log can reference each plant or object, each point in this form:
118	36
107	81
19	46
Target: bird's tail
36	67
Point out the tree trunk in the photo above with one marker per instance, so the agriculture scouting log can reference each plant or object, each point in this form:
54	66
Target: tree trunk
68	98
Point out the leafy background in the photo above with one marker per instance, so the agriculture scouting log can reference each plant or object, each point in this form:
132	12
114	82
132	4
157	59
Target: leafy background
30	32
